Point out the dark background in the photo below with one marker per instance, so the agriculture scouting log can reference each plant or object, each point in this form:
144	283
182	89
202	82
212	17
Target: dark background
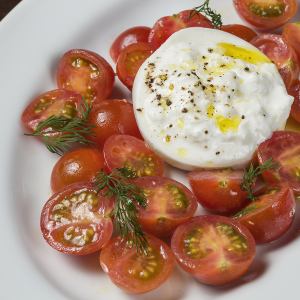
6	6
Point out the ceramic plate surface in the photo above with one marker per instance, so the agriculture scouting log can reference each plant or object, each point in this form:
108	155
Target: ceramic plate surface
32	38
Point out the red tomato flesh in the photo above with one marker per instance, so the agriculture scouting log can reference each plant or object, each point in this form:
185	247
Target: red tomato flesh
216	250
266	14
291	33
284	148
282	54
295	92
134	272
166	26
78	165
219	190
128	37
58	102
270	216
240	31
130	60
87	73
169	204
75	220
127	151
111	117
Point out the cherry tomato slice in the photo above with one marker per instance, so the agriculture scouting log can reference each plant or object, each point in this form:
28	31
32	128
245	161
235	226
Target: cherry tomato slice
130	60
75	220
291	33
78	165
295	92
133	272
130	36
169	204
166	26
270	216
112	117
58	102
283	55
87	73
127	151
219	190
214	249
266	14
284	148
240	31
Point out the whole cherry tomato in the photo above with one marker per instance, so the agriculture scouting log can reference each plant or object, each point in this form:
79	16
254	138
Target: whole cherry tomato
78	165
130	36
112	117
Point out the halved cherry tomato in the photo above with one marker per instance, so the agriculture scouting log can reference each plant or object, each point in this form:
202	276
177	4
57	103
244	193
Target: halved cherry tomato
112	117
241	31
78	165
166	26
214	249
169	204
134	272
295	92
291	33
282	54
76	220
87	73
130	60
266	14
270	216
130	36
58	102
219	190
284	148
127	151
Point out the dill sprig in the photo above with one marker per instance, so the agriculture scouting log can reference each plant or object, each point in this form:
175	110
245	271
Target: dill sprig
252	173
60	133
127	196
215	18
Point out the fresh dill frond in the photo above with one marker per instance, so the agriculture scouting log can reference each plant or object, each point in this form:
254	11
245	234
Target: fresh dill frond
60	133
252	173
127	197
215	18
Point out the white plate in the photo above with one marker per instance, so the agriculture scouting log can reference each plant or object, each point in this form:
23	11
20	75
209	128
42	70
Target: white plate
32	38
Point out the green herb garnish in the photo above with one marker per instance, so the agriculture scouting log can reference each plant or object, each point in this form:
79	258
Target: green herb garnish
215	18
60	133
127	196
252	173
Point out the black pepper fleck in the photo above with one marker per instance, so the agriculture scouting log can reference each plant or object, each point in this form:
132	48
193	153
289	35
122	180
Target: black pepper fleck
184	110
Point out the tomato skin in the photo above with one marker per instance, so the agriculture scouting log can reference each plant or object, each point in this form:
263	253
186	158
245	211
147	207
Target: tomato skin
55	102
240	31
291	33
295	92
219	191
166	26
283	147
78	165
169	204
130	36
111	117
120	263
282	54
54	230
87	73
272	217
243	7
130	60
216	265
127	151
